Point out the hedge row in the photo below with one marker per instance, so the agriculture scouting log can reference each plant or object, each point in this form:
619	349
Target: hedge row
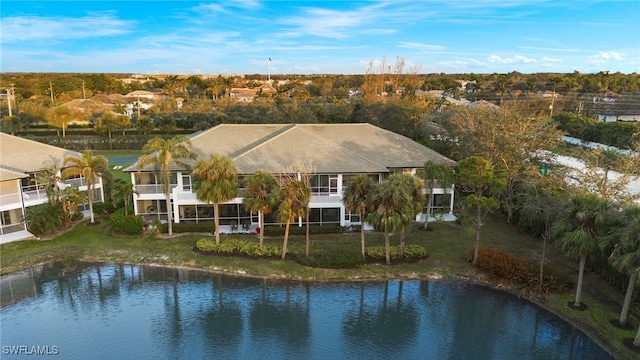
237	247
84	142
525	273
407	253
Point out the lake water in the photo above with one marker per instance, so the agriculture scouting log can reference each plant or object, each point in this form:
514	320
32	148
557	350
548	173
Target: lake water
108	311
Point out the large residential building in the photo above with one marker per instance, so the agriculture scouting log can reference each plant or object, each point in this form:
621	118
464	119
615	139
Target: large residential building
336	152
21	163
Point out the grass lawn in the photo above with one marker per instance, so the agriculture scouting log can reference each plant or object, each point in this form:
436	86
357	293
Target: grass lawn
446	244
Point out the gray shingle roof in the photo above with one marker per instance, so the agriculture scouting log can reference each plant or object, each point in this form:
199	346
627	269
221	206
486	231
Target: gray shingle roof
331	148
24	156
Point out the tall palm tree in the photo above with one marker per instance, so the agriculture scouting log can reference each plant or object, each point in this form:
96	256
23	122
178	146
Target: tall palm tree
577	232
626	254
123	191
91	168
217	182
291	199
257	196
356	199
161	154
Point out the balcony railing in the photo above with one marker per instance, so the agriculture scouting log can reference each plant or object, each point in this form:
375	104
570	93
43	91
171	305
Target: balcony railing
151	188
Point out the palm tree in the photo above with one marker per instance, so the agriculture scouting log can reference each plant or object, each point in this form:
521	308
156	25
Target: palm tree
48	179
124	191
577	232
291	199
91	168
386	216
217	183
626	254
356	199
161	154
257	196
412	200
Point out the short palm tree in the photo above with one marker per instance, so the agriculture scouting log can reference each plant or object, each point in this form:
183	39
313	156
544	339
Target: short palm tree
356	198
258	196
577	232
412	201
48	180
161	154
391	209
217	182
91	168
123	191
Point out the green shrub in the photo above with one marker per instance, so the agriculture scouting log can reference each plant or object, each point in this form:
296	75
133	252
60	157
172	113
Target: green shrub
410	252
126	224
232	246
106	207
338	259
44	219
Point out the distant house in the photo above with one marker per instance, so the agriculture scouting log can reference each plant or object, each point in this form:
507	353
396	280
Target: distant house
244	94
21	162
336	151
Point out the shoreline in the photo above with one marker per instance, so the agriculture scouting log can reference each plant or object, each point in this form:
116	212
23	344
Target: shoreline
95	245
460	278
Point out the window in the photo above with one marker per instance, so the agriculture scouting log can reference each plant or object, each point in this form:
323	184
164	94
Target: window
186	183
324	184
324	216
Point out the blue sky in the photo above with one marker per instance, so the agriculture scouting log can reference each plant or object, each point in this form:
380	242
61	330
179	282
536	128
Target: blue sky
319	37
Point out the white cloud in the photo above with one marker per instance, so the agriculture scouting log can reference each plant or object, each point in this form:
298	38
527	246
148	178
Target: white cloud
496	59
36	28
607	55
420	46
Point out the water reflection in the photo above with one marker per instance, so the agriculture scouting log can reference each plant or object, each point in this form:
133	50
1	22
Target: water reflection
128	311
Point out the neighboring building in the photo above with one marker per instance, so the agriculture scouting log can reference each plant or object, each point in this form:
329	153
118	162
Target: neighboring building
244	94
21	161
611	115
336	151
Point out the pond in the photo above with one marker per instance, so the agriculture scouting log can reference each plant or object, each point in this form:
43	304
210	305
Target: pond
114	311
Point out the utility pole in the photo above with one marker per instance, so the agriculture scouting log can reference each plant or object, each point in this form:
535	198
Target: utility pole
51	90
84	96
9	101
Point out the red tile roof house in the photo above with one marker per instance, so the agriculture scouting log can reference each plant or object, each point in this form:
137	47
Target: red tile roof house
21	161
336	151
